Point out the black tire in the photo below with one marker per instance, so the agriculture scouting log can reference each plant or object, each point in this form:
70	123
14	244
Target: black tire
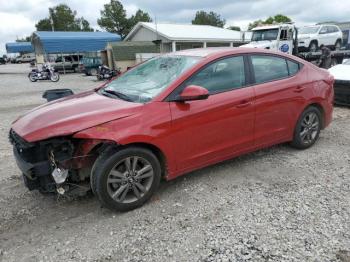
55	77
93	72
107	162
298	141
313	47
31	78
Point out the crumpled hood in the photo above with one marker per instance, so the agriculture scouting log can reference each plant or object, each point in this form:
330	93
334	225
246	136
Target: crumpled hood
260	44
70	115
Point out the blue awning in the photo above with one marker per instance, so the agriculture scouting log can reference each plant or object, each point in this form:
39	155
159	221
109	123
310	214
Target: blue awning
71	42
19	47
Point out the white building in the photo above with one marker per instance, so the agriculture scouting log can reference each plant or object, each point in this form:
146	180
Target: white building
174	37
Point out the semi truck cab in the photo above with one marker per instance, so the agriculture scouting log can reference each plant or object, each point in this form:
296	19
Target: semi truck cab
280	37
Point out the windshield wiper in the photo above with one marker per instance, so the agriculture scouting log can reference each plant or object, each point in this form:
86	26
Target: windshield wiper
118	94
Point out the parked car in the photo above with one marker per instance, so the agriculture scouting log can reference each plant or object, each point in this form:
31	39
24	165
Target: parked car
67	63
26	58
90	65
2	60
341	74
168	116
312	37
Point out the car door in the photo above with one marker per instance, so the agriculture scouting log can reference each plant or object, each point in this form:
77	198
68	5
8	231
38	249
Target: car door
323	36
278	88
207	131
68	61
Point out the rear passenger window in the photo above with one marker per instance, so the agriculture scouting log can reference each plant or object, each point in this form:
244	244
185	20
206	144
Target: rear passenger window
293	67
223	75
269	68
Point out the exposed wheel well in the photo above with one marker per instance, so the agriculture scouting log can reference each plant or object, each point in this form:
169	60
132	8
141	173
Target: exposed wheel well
155	150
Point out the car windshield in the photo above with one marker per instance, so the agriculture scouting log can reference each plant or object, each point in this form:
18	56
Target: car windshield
266	34
309	30
142	83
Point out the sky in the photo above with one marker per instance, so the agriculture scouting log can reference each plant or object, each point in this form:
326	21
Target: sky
18	17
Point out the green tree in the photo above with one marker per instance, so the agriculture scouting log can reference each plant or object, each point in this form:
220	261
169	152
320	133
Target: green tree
235	28
62	18
24	39
113	18
279	18
211	18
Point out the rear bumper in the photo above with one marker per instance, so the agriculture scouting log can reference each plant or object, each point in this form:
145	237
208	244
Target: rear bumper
342	92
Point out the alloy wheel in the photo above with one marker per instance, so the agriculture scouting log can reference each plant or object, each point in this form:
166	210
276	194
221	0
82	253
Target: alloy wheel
309	128
130	179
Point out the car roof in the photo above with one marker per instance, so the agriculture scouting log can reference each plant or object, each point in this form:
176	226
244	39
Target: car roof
222	51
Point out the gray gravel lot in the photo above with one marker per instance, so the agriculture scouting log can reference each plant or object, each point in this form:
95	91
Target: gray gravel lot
277	204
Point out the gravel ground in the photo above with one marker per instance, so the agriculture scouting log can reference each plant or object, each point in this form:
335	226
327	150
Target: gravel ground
277	204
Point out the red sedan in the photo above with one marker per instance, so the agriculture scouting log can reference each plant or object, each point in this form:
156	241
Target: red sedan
168	116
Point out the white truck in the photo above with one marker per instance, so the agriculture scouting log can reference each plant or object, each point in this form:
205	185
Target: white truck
275	37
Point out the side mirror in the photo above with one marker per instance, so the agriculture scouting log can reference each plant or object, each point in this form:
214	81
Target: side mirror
193	92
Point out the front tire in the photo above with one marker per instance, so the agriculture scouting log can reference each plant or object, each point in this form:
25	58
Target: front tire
124	180
313	47
308	128
55	77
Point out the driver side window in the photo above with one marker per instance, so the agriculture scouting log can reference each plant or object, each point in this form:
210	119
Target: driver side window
223	75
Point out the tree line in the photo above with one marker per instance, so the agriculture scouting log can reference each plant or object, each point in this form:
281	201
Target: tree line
114	19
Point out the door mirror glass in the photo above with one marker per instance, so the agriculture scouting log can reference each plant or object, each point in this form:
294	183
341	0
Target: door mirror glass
193	92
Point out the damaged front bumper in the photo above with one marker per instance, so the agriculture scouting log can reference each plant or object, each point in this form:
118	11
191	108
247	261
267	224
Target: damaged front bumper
42	163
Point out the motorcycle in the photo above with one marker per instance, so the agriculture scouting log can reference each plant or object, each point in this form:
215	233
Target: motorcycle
104	72
47	73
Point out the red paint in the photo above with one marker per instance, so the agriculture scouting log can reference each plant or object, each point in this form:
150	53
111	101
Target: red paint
190	134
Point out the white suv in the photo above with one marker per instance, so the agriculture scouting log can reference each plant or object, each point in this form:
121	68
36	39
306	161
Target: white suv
312	37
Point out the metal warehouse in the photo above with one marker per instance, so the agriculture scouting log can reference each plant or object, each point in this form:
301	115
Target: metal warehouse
19	47
45	42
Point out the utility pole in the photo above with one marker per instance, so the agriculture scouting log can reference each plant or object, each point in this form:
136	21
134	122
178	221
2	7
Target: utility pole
51	20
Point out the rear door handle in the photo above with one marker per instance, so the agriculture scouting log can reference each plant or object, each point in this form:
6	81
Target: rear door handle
244	103
299	89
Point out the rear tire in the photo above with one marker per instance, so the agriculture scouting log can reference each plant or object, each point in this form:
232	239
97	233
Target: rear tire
308	128
32	78
337	45
124	180
93	72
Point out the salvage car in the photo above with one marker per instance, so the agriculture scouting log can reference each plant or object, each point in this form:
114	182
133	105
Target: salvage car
168	116
341	74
